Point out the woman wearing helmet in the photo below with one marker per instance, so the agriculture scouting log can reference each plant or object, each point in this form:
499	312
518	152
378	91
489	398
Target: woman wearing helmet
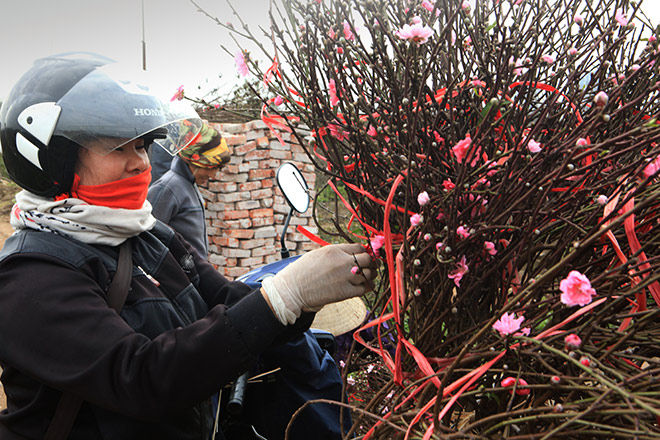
81	354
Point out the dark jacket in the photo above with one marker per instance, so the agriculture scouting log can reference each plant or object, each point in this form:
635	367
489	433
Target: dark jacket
145	374
176	201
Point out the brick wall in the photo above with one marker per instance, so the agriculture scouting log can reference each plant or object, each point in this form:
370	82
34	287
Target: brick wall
246	211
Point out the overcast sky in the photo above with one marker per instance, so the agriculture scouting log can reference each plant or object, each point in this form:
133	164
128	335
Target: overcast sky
183	45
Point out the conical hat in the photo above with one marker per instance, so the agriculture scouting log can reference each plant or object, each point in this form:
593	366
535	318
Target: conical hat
340	317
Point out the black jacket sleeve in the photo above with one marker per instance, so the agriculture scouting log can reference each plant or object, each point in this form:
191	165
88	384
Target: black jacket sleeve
57	328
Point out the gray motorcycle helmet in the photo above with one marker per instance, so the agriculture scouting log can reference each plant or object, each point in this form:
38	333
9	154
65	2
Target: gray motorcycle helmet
80	100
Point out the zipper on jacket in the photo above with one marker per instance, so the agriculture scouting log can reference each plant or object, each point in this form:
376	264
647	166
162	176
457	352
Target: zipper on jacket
149	277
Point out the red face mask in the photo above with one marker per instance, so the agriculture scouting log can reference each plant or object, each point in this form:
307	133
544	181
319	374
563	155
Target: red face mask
129	193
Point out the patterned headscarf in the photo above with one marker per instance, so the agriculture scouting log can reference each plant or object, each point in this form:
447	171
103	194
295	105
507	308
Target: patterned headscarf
207	150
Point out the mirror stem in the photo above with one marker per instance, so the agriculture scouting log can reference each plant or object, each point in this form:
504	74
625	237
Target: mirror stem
284	252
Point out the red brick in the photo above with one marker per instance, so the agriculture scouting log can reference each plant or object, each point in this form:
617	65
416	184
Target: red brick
283	155
231	197
231	128
247	166
270	163
236	253
235	272
263	221
258	154
236	139
244	149
265	251
217	260
230	169
284	135
265	232
243	223
267	183
249	186
271	258
233	215
251	244
222	187
277	145
239	233
257	124
218	207
261	194
260	174
251	262
261	213
226	242
236	178
309	178
248	204
263	141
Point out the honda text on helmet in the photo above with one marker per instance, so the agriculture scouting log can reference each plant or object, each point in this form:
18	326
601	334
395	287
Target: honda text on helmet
80	100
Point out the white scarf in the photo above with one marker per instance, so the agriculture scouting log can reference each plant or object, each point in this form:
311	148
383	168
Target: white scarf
79	220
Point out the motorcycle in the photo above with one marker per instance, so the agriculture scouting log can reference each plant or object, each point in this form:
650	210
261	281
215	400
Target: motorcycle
262	401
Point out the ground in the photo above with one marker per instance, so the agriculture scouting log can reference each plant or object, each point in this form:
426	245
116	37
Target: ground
7	191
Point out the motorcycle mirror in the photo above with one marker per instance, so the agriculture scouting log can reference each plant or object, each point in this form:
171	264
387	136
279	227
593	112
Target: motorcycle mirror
293	186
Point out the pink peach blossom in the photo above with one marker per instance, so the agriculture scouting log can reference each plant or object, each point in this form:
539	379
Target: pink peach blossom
438	245
652	167
416	32
448	185
572	341
572	51
355	270
490	247
241	65
426	4
371	131
578	19
178	96
348	33
517	64
458	272
462	232
332	91
415	219
377	242
533	146
601	99
423	198
461	148
466	7
548	59
508	324
521	385
602	199
581	142
278	100
337	132
576	289
621	18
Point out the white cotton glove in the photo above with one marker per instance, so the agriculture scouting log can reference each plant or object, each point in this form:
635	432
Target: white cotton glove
325	275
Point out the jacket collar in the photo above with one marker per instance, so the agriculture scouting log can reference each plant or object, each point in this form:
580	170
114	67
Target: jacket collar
180	167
